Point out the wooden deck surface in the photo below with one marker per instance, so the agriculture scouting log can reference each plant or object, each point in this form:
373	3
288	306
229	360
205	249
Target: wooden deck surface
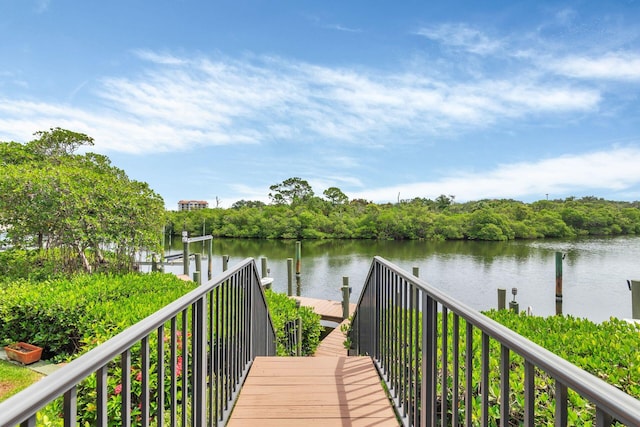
312	391
327	309
333	343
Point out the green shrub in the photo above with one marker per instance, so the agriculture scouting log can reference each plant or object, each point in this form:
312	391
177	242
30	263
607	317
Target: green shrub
62	315
284	309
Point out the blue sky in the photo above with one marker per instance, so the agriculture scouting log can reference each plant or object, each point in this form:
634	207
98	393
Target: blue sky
218	100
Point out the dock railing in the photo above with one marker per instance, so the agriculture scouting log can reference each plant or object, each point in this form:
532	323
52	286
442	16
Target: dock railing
447	364
183	365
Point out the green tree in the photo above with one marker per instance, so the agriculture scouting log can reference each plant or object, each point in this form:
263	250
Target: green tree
290	191
335	196
79	204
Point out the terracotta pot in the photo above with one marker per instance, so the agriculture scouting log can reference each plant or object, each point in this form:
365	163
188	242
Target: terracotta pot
23	352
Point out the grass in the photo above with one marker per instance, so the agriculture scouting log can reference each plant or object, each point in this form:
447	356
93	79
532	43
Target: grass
14	378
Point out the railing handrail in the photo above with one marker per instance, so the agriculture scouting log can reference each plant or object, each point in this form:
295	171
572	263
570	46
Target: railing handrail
32	399
615	402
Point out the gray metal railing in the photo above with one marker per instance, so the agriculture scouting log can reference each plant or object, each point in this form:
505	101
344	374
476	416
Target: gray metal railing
183	365
447	364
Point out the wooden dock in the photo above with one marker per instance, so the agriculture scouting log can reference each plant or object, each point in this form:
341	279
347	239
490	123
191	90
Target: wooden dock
313	391
327	309
332	344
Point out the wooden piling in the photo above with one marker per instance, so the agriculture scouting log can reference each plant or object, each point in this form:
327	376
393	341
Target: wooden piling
210	260
634	287
197	274
298	257
346	291
290	276
502	298
185	253
558	283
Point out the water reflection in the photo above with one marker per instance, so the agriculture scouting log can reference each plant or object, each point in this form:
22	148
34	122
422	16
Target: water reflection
595	270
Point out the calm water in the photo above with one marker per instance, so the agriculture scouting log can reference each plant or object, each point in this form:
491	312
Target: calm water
595	270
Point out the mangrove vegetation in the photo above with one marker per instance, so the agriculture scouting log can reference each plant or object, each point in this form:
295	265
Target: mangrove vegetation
295	212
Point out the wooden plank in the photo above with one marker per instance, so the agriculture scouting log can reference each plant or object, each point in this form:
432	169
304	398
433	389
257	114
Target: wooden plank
315	422
313	391
327	309
333	343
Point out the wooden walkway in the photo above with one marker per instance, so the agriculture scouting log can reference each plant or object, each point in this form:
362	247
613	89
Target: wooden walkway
329	389
327	309
313	391
333	344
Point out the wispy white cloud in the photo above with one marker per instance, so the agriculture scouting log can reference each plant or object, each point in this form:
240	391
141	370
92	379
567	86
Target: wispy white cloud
339	27
614	170
461	36
158	58
611	66
180	103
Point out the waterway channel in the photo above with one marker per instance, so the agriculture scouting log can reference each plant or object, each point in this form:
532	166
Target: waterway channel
595	270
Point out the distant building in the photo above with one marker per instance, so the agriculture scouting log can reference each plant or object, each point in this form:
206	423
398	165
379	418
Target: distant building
190	205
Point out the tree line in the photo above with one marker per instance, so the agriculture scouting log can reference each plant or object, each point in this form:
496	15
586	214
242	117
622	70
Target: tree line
295	212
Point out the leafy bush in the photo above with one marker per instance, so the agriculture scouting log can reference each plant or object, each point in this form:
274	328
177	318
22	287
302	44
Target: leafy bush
62	315
284	309
24	264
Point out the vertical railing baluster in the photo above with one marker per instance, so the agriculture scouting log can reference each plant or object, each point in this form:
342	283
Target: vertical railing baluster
394	343
101	395
211	398
387	326
529	394
429	366
201	390
561	404
410	344
218	358
227	343
468	404
484	382
173	364
603	419
377	316
185	366
144	381
70	407
403	346
444	369
505	369
125	391
433	316
455	392
160	372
